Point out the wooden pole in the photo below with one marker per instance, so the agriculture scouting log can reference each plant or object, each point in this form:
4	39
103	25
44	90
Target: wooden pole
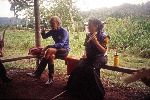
60	94
37	23
37	27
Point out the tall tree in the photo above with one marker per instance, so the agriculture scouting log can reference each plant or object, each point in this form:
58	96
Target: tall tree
19	5
66	10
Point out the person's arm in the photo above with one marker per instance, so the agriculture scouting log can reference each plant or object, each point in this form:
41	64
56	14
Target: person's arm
101	47
62	41
46	35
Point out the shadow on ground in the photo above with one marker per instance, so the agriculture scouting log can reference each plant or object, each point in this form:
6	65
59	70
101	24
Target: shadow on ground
24	87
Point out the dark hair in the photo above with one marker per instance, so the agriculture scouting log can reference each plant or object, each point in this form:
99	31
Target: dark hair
97	23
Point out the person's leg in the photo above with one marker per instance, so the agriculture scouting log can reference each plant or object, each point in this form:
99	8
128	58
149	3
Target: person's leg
51	66
50	56
41	67
56	54
3	73
51	72
51	69
98	89
2	70
98	62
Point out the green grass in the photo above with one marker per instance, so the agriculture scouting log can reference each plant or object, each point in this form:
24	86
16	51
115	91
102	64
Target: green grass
17	43
129	61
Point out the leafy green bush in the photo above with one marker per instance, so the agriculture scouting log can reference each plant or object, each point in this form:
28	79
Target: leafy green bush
145	53
130	34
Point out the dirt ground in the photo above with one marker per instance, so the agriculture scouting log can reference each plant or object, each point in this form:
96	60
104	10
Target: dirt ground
24	87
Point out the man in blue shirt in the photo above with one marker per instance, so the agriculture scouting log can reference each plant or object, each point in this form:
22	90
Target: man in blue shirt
57	51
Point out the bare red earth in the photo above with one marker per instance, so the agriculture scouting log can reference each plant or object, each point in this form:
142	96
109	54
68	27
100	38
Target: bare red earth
24	87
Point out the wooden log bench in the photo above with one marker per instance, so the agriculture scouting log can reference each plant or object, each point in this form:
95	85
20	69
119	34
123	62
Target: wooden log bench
18	58
71	63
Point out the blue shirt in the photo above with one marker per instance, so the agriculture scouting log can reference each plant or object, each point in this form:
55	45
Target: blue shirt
60	36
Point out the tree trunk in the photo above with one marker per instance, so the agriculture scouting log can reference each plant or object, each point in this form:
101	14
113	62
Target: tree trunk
37	23
37	27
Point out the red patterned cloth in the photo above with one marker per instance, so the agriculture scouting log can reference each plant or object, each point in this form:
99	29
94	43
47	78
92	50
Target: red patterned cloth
35	51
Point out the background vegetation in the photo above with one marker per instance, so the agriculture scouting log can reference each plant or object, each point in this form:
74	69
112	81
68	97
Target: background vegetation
128	26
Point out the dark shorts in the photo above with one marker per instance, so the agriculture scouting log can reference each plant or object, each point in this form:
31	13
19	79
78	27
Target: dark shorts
62	53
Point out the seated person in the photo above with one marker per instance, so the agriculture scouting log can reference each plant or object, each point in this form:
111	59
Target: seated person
3	75
96	44
84	82
57	51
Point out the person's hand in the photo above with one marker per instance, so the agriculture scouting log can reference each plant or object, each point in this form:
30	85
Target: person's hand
43	51
43	29
94	39
91	36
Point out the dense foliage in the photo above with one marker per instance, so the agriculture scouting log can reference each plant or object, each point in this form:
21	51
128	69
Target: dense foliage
128	25
130	34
